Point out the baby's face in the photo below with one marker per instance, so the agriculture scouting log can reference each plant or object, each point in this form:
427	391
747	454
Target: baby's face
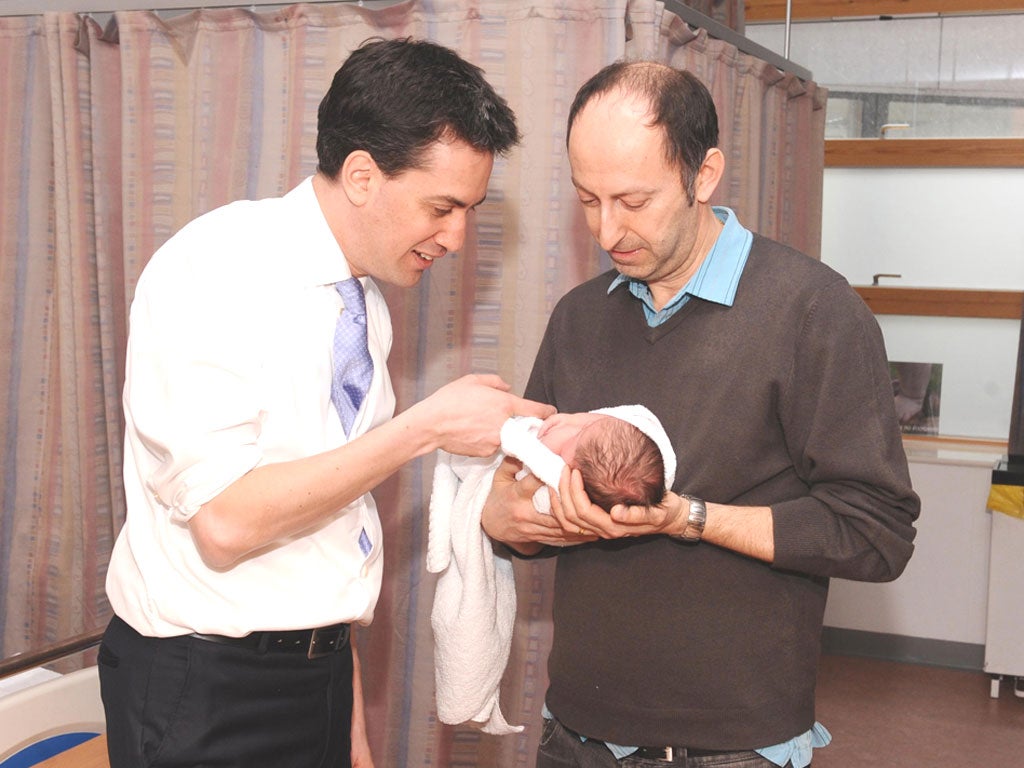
561	432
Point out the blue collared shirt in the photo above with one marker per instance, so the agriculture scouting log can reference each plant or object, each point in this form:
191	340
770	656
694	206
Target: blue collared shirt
716	280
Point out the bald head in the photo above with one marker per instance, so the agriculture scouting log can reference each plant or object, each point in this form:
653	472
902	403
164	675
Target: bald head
673	101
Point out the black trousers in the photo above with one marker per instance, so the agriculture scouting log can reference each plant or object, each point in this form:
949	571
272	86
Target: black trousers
184	702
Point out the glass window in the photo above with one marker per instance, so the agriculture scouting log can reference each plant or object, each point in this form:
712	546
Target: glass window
913	77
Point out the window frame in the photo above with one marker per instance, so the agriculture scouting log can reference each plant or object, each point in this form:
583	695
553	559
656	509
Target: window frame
900	153
823	10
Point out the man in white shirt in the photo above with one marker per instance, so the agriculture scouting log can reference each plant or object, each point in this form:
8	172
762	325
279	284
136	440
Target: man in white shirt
252	542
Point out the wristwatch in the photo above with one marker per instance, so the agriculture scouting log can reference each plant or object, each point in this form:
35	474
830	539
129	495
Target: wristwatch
695	520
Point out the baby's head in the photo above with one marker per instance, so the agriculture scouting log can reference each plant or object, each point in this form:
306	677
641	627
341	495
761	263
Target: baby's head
619	463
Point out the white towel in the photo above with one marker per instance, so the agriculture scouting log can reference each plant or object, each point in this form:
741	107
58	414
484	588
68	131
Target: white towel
474	602
475	599
519	440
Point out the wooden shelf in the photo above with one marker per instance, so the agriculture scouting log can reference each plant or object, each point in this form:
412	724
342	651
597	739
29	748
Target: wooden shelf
924	153
942	302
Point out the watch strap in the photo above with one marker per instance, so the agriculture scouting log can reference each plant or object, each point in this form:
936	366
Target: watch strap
695	519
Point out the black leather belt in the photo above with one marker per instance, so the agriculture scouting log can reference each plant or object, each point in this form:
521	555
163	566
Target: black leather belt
315	643
670	754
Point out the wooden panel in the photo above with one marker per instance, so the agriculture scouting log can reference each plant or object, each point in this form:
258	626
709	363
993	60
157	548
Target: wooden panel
88	754
775	10
926	447
942	302
924	153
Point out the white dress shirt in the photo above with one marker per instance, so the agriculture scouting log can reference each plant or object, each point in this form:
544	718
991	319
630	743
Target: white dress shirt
229	368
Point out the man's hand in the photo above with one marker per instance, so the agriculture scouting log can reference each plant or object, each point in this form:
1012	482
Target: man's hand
509	516
580	517
360	745
466	415
669	517
747	530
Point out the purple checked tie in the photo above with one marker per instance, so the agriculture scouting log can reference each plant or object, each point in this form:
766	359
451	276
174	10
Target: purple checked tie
353	367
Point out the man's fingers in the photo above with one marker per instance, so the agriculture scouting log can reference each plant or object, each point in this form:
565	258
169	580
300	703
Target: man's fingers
488	380
523	407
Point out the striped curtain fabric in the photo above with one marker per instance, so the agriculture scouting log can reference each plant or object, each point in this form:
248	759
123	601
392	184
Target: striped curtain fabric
113	138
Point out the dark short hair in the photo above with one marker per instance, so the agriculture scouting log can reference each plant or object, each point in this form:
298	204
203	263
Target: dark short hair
395	98
620	464
679	103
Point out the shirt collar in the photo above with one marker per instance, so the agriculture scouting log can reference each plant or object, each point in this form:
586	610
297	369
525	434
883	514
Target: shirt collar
716	279
315	247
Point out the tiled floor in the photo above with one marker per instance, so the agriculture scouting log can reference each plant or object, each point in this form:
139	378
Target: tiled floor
894	715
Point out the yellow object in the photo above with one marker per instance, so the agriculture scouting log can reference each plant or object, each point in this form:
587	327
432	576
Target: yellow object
1008	499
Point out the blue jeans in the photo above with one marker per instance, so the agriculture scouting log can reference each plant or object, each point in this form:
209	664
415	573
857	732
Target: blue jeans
561	748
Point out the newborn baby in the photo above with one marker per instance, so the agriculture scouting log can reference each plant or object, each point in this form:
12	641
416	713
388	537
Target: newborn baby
475	603
623	454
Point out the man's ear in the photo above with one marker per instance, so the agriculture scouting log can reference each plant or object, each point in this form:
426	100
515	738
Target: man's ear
359	176
710	173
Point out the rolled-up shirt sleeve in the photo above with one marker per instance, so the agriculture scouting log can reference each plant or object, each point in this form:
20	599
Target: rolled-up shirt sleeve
193	393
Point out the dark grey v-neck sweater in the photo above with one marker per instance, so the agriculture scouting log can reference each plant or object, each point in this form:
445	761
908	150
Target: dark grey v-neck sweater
783	399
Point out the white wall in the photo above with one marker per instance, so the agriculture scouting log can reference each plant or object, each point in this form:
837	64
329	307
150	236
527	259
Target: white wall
938	228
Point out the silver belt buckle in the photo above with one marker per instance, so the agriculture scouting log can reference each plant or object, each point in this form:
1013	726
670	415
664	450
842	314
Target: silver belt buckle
325	641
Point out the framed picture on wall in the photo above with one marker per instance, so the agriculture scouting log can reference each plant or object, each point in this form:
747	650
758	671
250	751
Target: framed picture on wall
917	389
